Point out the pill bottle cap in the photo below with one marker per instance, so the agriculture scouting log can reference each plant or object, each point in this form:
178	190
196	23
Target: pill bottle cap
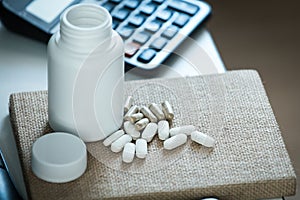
58	157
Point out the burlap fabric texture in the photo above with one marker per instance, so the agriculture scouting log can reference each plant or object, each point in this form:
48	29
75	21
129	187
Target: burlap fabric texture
250	160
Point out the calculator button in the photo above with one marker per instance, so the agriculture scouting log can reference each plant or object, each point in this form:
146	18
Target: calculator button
152	26
115	24
121	14
130	49
125	32
116	1
158	1
183	6
137	20
141	38
159	43
108	6
147	55
181	20
148	9
132	4
164	15
170	32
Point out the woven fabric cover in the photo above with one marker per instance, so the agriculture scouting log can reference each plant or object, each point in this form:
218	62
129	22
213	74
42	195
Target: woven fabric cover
249	161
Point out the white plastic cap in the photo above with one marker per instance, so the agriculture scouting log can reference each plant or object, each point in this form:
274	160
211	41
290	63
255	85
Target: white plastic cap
58	157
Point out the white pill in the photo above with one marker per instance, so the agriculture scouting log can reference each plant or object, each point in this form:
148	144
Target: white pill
133	109
187	129
141	148
167	110
113	137
203	139
149	132
147	113
141	124
130	130
157	111
128	103
163	129
118	145
175	141
136	117
128	152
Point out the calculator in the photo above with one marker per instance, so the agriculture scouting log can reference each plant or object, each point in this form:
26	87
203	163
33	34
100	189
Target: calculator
151	29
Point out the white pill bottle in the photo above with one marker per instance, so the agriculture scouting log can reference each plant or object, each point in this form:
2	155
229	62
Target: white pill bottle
86	74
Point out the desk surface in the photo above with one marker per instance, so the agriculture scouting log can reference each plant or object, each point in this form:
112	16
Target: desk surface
23	67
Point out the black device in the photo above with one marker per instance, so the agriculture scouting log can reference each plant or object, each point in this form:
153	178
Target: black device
151	29
7	189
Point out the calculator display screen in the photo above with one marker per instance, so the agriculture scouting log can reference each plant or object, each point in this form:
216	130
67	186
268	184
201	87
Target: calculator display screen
47	10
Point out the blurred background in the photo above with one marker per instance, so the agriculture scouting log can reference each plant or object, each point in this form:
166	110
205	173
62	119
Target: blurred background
265	35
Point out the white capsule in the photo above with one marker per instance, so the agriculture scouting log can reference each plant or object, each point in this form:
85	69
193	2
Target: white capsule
128	152
141	124
133	109
149	132
157	111
147	113
136	117
163	129
113	137
130	130
118	145
187	129
175	141
128	103
141	148
203	139
167	110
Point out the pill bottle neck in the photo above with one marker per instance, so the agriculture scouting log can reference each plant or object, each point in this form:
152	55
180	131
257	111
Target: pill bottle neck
85	26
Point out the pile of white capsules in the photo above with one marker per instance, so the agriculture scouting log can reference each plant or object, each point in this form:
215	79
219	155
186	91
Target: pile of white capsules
141	124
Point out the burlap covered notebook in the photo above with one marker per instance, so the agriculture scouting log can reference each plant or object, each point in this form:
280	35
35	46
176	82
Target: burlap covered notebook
249	161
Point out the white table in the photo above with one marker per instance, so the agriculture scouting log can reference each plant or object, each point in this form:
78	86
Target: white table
23	67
